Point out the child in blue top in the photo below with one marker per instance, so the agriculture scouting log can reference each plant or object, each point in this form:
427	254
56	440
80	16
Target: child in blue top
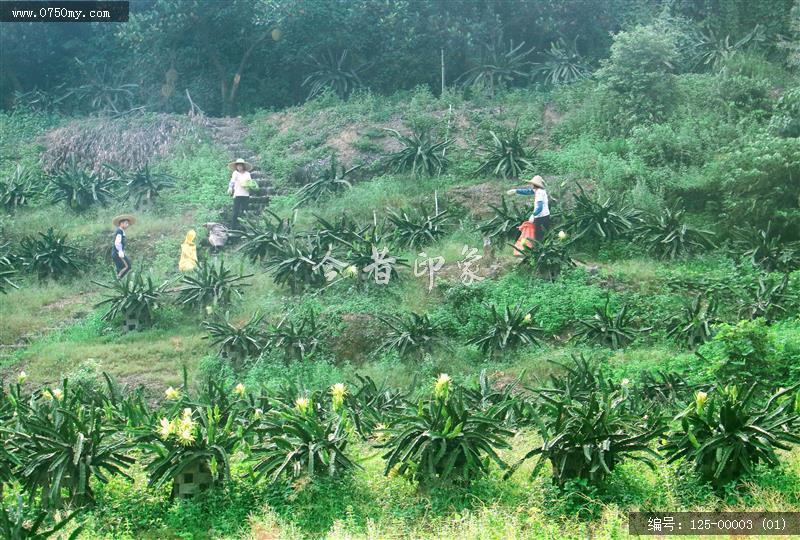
121	260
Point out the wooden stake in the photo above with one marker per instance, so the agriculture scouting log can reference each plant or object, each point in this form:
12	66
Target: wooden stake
442	72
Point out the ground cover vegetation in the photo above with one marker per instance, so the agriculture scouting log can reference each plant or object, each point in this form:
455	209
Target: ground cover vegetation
645	355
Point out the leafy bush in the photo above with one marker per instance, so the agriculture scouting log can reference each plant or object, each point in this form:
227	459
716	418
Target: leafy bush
739	352
236	342
499	67
588	427
301	439
297	340
506	220
562	64
18	524
769	299
786	120
767	249
65	440
511	328
409	334
298	263
743	94
692	324
505	403
143	185
422	152
332	72
133	296
17	190
371	405
210	285
362	253
602	219
417	229
763	168
666	388
443	438
202	432
608	328
507	156
331	182
725	435
640	71
667	236
79	188
49	255
714	51
548	257
265	235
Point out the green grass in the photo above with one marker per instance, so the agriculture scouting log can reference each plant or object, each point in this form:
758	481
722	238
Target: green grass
370	505
68	337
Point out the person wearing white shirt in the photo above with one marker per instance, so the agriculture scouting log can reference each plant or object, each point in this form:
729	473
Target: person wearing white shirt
239	186
541	211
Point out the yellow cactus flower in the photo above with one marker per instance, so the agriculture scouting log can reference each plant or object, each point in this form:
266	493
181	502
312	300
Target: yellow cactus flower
186	435
239	390
441	388
562	235
351	271
22	377
165	428
527	318
302	404
58	394
338	392
172	394
47	395
700	399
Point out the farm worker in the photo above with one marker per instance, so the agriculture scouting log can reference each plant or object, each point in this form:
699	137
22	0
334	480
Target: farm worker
121	260
541	211
188	260
240	186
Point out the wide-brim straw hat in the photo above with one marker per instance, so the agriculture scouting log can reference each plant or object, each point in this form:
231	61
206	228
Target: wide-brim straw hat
247	166
123	217
537	181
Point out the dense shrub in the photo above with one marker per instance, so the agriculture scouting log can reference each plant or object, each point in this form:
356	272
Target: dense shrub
409	334
588	426
760	184
134	296
80	188
740	351
49	255
785	122
725	435
301	438
640	71
18	189
210	285
443	438
607	327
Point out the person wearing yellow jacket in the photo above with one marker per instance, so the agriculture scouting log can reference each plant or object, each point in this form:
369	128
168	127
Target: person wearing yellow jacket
188	260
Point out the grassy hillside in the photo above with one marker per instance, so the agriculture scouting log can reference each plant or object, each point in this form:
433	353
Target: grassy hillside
718	129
